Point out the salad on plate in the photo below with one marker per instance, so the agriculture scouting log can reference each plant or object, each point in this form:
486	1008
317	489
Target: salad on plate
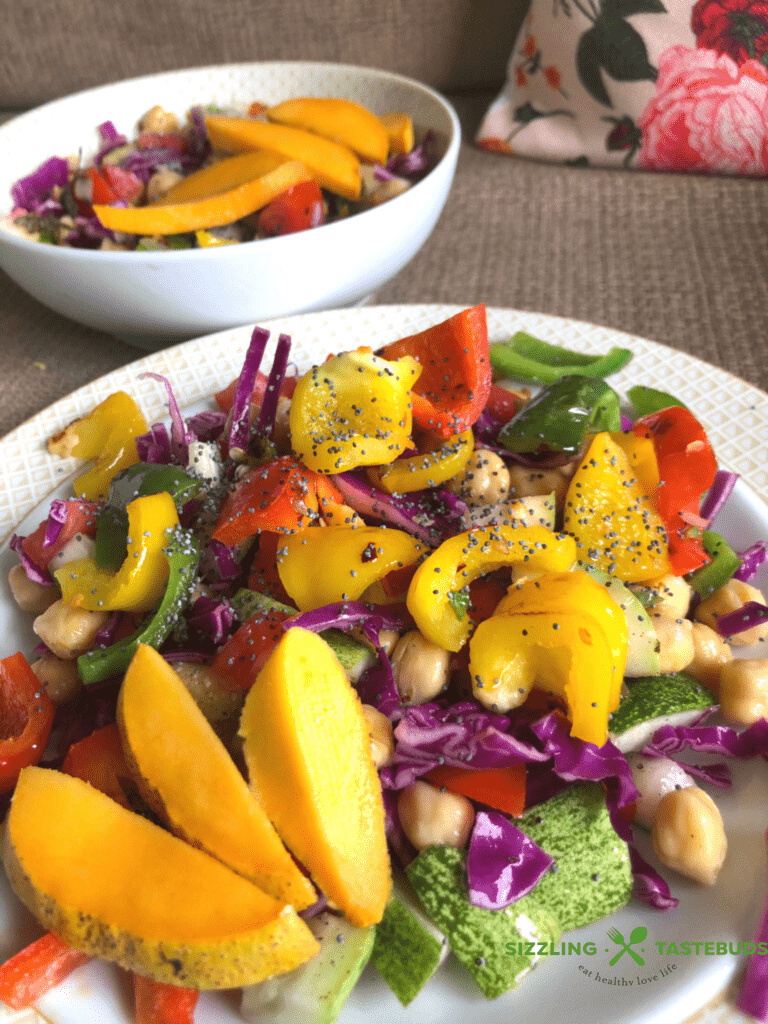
223	177
376	663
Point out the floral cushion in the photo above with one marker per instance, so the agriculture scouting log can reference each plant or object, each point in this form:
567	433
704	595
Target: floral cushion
653	84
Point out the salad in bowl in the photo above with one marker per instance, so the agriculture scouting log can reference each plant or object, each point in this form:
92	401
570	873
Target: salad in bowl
369	664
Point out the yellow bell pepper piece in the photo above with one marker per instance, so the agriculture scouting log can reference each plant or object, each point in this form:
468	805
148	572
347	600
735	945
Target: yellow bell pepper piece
354	410
107	434
567	655
574	593
642	460
461	559
216	211
338	563
428	469
615	523
140	582
205	240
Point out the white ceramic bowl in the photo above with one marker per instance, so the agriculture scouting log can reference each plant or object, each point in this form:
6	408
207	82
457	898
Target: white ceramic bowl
153	298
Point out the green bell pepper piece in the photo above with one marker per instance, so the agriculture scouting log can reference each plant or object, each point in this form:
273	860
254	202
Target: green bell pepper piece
647	400
183	556
561	415
527	358
715	574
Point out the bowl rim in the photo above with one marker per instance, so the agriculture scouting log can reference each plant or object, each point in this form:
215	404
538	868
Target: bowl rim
175	256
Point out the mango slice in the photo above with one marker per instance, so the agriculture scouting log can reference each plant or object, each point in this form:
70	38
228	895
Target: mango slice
614	521
117	886
340	121
186	775
221	177
399	129
216	211
336	167
307	751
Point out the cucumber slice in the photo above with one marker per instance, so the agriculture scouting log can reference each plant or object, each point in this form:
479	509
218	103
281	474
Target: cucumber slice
642	642
593	876
408	948
653	701
478	937
315	992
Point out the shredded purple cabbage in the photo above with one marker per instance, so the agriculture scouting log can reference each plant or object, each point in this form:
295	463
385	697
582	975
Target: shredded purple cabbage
315	908
57	516
420	159
212	618
34	572
199	146
155	445
649	887
430	516
219	563
717	494
398	840
268	410
462	735
348	615
753	992
181	435
382	173
35	188
377	687
207	425
718	775
105	636
626	422
241	406
503	863
751	560
110	139
750	614
713	739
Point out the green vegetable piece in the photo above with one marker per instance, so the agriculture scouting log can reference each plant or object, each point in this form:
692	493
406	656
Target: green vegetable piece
653	701
642	642
183	558
138	480
527	358
715	574
561	415
408	947
478	937
247	603
459	601
593	876
648	400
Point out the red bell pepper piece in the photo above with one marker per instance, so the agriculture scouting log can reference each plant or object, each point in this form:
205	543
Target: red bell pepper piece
162	140
687	467
226	396
157	1003
36	969
244	655
125	184
298	208
455	381
99	760
26	714
500	788
102	192
81	518
264	577
281	496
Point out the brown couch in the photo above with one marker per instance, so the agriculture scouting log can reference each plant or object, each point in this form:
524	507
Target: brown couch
680	260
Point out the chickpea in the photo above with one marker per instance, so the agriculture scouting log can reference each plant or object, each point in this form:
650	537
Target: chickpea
730	598
673	595
60	678
382	739
282	432
688	834
433	817
421	668
107	245
80	546
68	631
161	182
526	483
219	706
158	120
711	654
484	480
744	690
675	638
30	596
654	777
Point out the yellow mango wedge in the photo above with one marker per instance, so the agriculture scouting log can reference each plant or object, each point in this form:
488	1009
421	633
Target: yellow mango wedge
221	177
215	211
399	129
114	885
336	167
338	120
187	777
307	751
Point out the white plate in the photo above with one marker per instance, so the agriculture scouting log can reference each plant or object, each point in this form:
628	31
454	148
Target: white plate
736	417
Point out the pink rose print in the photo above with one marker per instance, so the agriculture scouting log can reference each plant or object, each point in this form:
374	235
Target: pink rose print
708	114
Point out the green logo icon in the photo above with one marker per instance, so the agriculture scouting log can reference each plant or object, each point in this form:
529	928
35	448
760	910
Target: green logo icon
636	935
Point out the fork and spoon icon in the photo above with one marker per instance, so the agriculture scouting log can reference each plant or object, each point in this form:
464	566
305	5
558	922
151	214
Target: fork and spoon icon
636	935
